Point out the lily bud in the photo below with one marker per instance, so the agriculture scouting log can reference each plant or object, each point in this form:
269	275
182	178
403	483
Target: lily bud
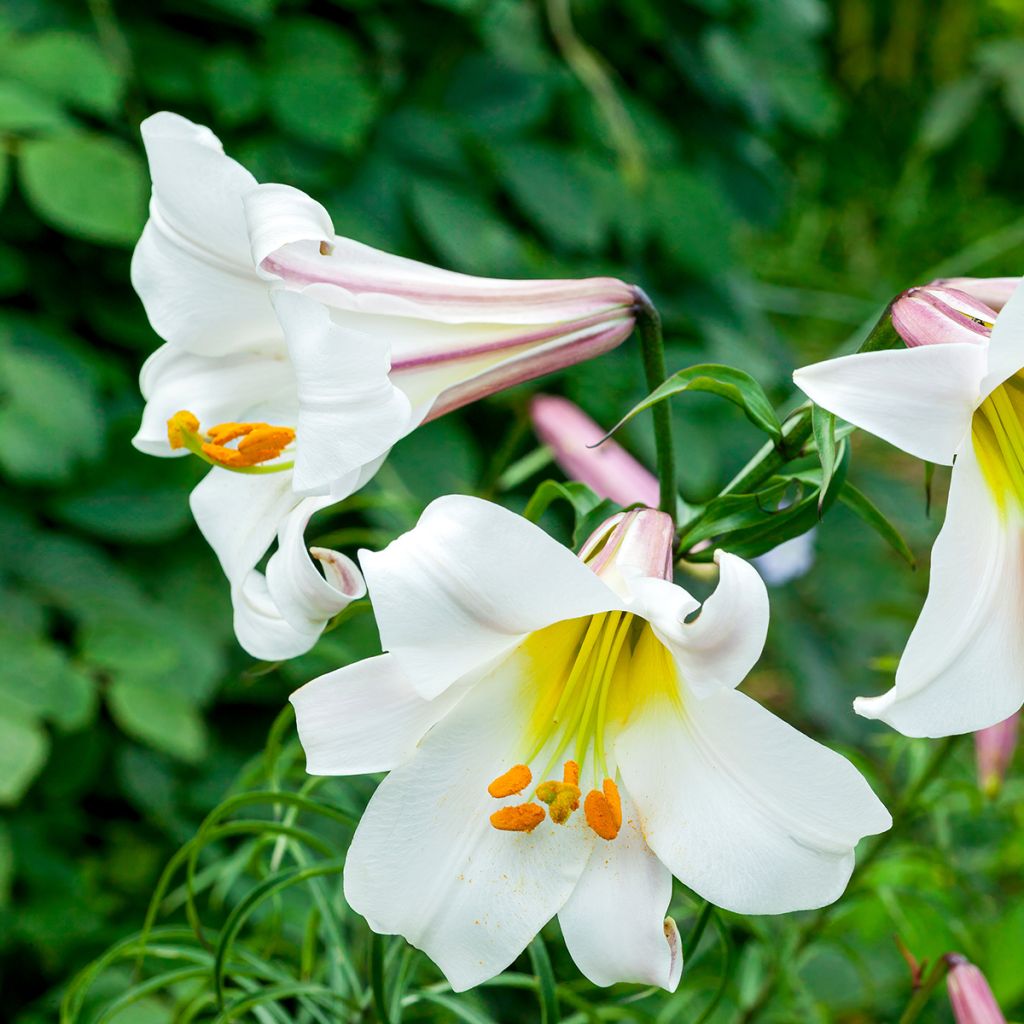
994	749
631	545
969	993
608	470
940	315
994	292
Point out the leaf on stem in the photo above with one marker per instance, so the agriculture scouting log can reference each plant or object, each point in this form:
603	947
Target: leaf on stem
725	381
860	503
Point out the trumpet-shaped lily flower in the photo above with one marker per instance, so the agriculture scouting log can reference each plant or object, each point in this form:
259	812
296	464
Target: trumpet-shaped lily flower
297	358
954	396
563	735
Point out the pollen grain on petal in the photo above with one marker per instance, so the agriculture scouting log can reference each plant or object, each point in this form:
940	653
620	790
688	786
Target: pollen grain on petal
515	780
601	816
520	818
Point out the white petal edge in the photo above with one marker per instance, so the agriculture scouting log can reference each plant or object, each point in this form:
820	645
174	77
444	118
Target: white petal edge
349	411
963	667
723	643
1006	346
427	864
467	583
364	718
192	267
745	810
919	399
614	924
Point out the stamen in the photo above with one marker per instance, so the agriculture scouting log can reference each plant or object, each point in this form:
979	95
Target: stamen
259	443
603	811
515	780
521	818
571	773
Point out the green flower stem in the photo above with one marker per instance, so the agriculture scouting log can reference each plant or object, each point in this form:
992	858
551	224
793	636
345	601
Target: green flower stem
648	324
923	991
814	927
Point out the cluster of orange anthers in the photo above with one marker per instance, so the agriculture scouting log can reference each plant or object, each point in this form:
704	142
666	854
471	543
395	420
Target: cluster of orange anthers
257	442
602	808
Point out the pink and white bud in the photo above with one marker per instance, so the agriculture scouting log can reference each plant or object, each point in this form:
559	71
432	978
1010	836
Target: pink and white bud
939	315
631	545
994	292
969	993
608	470
994	748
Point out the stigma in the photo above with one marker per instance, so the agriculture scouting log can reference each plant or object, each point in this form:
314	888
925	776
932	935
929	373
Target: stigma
257	443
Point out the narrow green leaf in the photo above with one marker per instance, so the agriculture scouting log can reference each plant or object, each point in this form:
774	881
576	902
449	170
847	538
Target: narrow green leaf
545	982
725	381
858	502
377	982
582	499
824	425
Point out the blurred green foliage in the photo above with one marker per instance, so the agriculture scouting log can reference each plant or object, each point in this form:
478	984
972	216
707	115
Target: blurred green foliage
771	171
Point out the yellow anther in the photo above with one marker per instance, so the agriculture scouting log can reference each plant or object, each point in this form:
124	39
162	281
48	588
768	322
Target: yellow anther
181	426
515	780
521	818
603	811
571	773
257	442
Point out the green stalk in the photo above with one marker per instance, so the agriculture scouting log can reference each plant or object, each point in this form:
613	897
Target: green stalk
648	324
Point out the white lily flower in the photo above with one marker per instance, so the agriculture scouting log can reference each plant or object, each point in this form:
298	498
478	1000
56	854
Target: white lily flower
562	737
954	396
298	358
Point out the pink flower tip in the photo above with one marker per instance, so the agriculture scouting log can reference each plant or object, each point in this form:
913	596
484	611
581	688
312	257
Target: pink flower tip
994	292
994	748
606	468
631	545
969	993
934	315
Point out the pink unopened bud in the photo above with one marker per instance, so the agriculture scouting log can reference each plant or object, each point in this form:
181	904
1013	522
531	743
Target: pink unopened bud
994	292
938	316
969	994
630	545
994	749
608	470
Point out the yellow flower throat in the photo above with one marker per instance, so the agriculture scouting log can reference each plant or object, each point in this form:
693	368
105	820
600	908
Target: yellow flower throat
997	432
585	677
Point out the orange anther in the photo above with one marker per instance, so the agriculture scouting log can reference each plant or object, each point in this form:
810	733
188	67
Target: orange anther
611	794
178	425
515	780
521	818
260	442
571	773
601	816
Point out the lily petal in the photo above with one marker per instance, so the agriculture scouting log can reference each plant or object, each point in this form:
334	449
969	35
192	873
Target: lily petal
719	648
919	399
1006	348
364	718
742	808
349	411
192	267
246	386
467	584
961	670
287	228
425	861
306	598
614	923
